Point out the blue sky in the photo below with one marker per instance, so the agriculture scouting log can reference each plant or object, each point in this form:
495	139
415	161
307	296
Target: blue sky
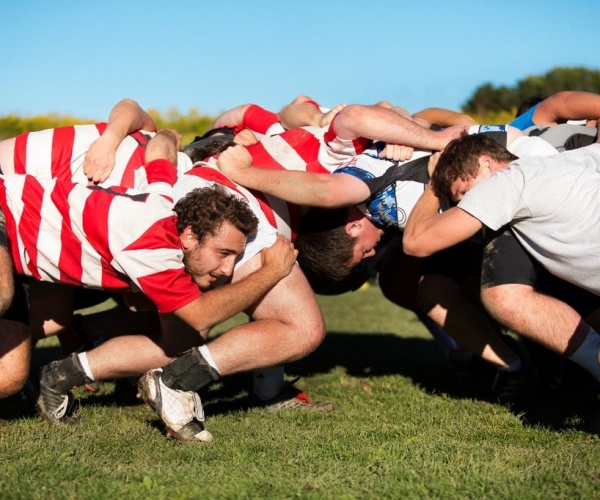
79	57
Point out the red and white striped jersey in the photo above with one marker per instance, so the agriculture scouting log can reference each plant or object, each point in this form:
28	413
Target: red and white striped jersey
113	239
273	218
261	122
310	149
59	153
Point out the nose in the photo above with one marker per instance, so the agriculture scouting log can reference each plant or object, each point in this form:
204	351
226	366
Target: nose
227	266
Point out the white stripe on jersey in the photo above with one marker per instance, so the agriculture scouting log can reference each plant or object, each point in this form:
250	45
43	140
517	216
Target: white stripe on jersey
283	153
281	213
39	153
145	262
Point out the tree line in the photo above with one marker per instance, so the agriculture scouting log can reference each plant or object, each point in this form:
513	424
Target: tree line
188	125
488	104
498	104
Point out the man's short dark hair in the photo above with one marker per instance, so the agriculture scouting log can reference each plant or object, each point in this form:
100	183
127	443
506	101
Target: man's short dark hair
206	209
460	160
324	247
203	148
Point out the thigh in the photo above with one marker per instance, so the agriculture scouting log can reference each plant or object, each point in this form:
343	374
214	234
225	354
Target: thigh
289	301
506	262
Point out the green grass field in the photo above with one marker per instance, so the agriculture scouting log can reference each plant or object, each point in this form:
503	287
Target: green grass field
404	429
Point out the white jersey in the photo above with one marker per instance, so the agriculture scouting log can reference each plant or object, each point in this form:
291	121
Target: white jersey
551	205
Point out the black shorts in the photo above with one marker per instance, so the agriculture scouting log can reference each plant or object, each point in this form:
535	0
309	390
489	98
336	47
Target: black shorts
19	307
457	263
506	262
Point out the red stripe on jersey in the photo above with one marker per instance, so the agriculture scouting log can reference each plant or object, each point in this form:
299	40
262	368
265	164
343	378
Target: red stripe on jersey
170	289
259	119
314	103
262	159
161	170
305	144
62	152
95	226
136	161
162	234
360	144
266	207
21	153
70	247
31	219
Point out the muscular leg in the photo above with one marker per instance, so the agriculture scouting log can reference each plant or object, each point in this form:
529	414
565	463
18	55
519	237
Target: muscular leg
399	277
50	309
15	352
541	318
467	323
287	325
131	355
7	281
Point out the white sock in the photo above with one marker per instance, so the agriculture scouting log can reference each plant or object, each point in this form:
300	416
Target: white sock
588	354
86	365
209	359
268	382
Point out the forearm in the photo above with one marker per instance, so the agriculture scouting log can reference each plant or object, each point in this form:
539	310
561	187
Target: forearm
568	105
375	122
220	304
416	233
428	232
231	118
126	117
305	188
444	117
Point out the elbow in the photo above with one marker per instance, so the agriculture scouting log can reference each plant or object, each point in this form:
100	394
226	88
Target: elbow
413	247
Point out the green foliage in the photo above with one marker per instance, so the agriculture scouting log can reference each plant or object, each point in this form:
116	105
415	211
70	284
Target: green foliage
488	100
13	125
189	125
399	433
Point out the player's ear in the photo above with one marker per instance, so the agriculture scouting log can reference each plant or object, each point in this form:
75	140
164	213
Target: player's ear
187	237
354	227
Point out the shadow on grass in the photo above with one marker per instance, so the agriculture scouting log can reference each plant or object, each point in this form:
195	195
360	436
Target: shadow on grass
556	406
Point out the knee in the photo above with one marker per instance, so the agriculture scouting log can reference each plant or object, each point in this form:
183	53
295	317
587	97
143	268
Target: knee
308	335
14	361
313	336
503	302
13	382
7	294
353	113
437	290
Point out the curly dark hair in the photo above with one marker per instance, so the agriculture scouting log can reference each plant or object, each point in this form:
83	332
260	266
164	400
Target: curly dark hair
324	247
460	160
206	209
